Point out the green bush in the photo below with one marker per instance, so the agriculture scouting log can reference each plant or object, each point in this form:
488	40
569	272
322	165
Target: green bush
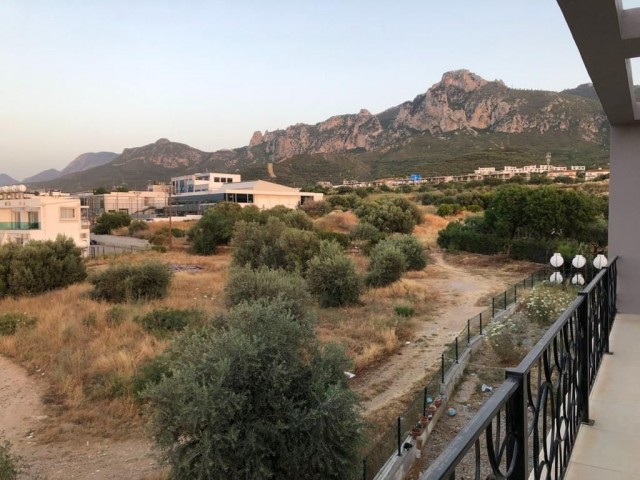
316	209
39	267
137	226
178	232
256	400
412	249
547	301
392	214
10	322
365	231
11	465
214	228
273	245
342	239
404	311
469	237
332	277
248	285
149	373
115	315
344	202
132	283
109	221
166	320
387	263
298	219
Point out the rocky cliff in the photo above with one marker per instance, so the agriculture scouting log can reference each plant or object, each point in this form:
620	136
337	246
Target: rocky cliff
460	101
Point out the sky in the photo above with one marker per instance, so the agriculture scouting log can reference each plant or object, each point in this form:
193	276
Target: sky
82	76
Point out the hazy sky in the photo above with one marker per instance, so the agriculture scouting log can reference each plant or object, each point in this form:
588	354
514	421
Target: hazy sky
88	75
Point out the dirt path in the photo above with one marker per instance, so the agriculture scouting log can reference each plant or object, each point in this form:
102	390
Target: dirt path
22	414
462	290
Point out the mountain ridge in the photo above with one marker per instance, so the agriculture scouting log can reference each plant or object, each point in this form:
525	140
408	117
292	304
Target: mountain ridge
475	119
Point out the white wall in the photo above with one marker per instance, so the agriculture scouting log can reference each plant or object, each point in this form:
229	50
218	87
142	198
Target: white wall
624	214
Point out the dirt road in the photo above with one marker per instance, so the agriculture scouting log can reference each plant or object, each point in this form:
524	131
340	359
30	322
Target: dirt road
462	290
22	414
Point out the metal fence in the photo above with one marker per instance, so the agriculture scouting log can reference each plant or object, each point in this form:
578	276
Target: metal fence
390	441
528	428
96	251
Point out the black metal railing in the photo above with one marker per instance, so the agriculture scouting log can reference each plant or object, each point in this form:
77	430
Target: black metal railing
528	428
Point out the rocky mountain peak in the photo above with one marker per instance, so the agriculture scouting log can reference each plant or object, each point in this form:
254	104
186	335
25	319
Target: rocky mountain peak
364	112
462	79
162	141
256	138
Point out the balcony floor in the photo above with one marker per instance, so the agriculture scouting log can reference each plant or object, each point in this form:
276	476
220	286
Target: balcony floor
609	448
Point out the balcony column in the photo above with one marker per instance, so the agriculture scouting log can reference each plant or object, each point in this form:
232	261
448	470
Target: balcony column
624	214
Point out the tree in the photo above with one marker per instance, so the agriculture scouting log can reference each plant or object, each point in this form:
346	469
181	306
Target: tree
505	214
332	277
214	228
390	215
413	250
109	221
387	263
259	399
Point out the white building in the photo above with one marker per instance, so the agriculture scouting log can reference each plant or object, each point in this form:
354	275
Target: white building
262	194
25	217
201	182
138	204
593	174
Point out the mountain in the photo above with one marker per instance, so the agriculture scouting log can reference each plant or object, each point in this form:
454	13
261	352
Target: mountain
460	123
80	164
88	160
7	180
43	176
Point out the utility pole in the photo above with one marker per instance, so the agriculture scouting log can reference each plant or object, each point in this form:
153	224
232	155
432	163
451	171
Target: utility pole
170	235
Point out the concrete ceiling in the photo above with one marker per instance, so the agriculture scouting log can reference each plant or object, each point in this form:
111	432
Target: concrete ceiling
607	36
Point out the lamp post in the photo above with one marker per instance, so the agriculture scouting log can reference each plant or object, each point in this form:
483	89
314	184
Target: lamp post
578	263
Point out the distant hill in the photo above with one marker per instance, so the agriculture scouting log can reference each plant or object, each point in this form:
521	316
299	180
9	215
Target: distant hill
460	123
88	160
7	180
50	174
585	90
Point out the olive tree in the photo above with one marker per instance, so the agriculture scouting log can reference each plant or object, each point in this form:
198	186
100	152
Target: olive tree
256	398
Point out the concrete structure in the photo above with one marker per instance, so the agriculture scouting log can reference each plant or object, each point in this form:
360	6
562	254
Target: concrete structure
138	204
262	194
25	217
608	36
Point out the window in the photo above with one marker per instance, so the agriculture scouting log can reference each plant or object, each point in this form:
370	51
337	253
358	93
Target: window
34	220
66	213
216	179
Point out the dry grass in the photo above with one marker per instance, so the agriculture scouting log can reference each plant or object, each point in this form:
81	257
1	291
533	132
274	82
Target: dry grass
337	221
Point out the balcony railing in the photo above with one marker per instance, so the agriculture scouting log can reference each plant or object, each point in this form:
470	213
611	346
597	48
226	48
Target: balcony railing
19	225
528	428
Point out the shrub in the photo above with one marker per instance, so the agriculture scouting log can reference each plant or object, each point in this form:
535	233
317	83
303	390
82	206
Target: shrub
298	219
38	267
412	249
340	238
390	215
169	319
137	226
115	315
109	221
506	338
177	232
316	209
10	322
149	373
247	285
469	237
11	465
387	263
344	202
404	311
365	231
132	283
547	301
214	228
273	245
257	400
447	209
332	277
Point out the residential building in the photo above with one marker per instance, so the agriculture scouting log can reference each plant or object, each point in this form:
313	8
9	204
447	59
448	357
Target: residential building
25	217
262	194
594	174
